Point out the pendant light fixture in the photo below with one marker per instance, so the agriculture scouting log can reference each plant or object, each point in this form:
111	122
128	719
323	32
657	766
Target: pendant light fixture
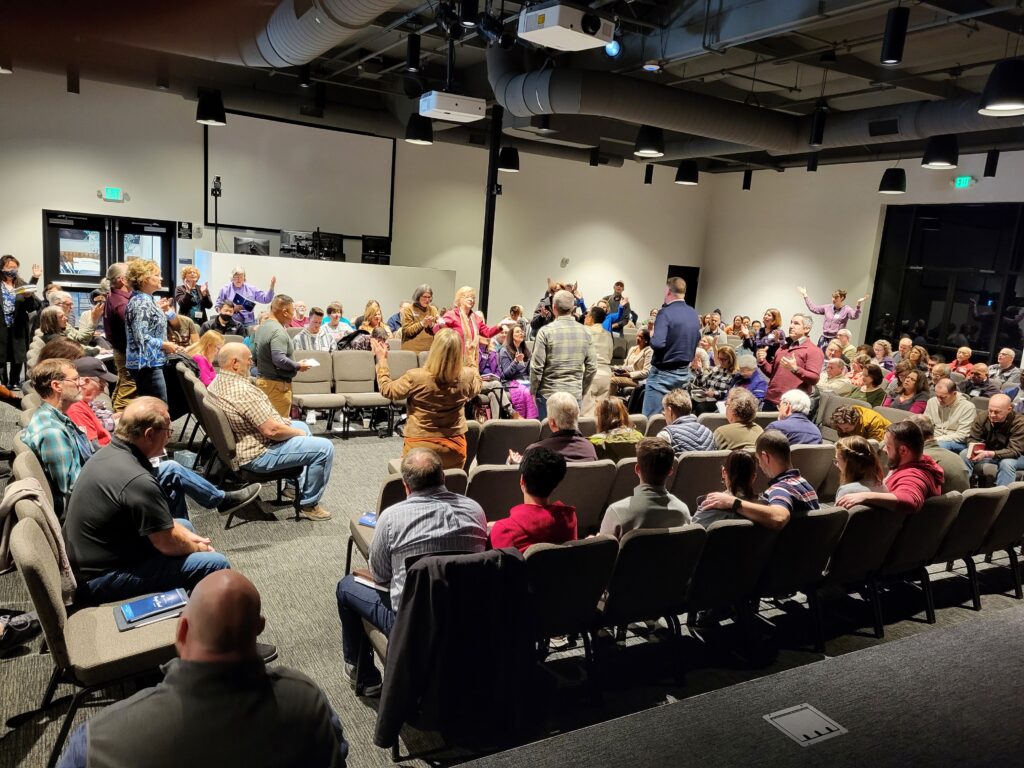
941	152
210	109
650	142
648	174
508	160
895	38
305	80
419	130
1004	90
748	177
812	162
991	163
687	173
894	182
412	53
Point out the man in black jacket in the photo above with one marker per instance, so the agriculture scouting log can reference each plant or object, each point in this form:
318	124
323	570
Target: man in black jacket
224	322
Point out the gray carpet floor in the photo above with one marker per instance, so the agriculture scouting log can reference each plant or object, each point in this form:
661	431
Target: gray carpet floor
296	566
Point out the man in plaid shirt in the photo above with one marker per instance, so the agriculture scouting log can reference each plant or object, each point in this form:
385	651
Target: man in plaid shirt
788	494
57	442
562	360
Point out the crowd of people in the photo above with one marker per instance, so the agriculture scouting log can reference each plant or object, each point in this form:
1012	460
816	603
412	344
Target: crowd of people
121	503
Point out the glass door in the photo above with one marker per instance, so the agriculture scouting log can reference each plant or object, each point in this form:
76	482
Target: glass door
75	248
149	240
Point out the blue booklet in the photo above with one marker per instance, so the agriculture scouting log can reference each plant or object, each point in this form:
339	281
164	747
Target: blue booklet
369	520
243	302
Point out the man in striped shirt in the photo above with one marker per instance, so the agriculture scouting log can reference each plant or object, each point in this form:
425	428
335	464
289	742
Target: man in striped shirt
788	494
431	519
563	359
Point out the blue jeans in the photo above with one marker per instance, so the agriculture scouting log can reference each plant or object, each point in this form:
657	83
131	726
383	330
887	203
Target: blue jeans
178	482
660	383
357	602
150	382
157	573
1007	467
952	445
316	454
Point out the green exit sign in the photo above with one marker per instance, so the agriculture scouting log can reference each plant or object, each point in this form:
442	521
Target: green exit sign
963	182
113	194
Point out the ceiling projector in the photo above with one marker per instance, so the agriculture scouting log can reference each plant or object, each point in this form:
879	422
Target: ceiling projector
565	28
438	105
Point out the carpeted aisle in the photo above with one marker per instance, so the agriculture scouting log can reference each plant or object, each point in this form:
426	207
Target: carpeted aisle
296	566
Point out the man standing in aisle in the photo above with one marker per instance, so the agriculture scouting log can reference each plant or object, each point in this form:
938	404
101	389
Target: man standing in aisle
674	340
275	353
563	358
797	364
113	326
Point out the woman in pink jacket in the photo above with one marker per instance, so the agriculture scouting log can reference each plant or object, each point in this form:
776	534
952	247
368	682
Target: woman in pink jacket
468	325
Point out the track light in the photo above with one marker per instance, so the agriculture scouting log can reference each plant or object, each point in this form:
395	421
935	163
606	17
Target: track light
508	160
895	35
6	67
73	83
812	162
419	130
894	182
652	66
304	78
991	163
468	11
941	152
687	173
650	142
163	75
493	31
1004	90
613	49
648	174
449	22
210	109
595	157
412	53
748	176
818	125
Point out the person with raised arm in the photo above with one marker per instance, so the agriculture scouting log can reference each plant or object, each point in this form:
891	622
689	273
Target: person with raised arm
837	314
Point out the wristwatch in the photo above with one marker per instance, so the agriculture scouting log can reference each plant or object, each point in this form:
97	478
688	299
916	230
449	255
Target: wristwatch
736	505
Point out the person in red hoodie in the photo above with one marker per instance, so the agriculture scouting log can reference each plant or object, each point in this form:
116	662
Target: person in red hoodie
537	520
914	475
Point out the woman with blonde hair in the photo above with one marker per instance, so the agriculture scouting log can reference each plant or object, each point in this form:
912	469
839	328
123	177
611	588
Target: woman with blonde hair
436	396
191	298
146	330
859	468
204	352
469	326
373	317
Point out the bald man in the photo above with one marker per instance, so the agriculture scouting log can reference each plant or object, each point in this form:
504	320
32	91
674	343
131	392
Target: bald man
1004	370
218	703
122	539
1001	432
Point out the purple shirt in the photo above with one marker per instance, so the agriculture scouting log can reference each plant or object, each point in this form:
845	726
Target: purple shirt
227	293
834	321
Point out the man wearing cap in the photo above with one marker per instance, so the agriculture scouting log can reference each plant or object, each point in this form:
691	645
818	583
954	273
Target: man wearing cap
97	422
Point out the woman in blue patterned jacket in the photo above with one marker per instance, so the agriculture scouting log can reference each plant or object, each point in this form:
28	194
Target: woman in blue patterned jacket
146	330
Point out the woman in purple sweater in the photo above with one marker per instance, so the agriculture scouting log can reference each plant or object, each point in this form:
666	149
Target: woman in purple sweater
837	314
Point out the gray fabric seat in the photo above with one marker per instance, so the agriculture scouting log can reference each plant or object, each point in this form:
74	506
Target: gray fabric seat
354	377
87	650
1007	532
917	543
979	510
655	424
697	474
312	389
652	574
713	420
625	482
586	486
495	488
25	465
587	427
815	463
499	436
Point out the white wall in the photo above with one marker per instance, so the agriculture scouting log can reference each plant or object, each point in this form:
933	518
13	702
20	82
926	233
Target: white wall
605	221
820	230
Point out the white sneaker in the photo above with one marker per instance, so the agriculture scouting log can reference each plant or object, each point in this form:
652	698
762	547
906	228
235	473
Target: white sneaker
311	418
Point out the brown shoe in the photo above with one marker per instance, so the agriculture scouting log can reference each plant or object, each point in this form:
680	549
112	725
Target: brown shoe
316	512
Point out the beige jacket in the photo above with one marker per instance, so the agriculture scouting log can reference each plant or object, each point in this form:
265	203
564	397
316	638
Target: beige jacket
434	410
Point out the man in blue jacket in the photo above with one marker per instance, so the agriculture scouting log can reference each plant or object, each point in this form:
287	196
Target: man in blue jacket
676	335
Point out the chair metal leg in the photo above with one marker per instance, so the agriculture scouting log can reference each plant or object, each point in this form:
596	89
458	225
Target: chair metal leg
876	607
65	727
51	689
348	556
184	427
972	576
929	598
817	619
396	752
1015	571
192	437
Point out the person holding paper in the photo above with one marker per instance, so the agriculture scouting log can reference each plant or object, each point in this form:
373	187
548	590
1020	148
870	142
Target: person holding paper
191	298
244	296
275	352
19	300
997	437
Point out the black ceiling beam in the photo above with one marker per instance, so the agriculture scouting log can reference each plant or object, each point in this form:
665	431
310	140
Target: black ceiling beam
1003	20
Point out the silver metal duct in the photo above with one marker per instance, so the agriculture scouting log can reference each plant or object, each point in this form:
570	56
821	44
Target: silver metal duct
729	127
293	37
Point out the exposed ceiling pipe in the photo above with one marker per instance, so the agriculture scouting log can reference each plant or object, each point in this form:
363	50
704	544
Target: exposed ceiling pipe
295	36
744	127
